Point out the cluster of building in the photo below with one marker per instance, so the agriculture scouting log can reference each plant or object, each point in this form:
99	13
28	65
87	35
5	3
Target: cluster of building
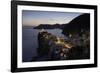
54	48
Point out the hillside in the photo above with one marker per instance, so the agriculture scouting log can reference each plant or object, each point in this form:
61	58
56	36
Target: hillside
78	24
50	26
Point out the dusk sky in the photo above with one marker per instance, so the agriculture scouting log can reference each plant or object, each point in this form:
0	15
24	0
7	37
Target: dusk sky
34	18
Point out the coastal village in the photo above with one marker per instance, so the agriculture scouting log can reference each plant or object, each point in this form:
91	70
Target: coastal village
52	47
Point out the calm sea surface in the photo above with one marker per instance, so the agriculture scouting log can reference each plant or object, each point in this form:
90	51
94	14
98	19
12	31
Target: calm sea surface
29	41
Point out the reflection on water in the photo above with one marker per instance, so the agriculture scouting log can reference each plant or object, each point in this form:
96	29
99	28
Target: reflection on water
29	41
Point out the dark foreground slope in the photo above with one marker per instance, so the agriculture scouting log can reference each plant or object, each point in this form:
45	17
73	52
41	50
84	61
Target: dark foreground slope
78	24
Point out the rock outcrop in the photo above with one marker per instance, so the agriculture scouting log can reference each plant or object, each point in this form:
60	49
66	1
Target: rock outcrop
53	47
